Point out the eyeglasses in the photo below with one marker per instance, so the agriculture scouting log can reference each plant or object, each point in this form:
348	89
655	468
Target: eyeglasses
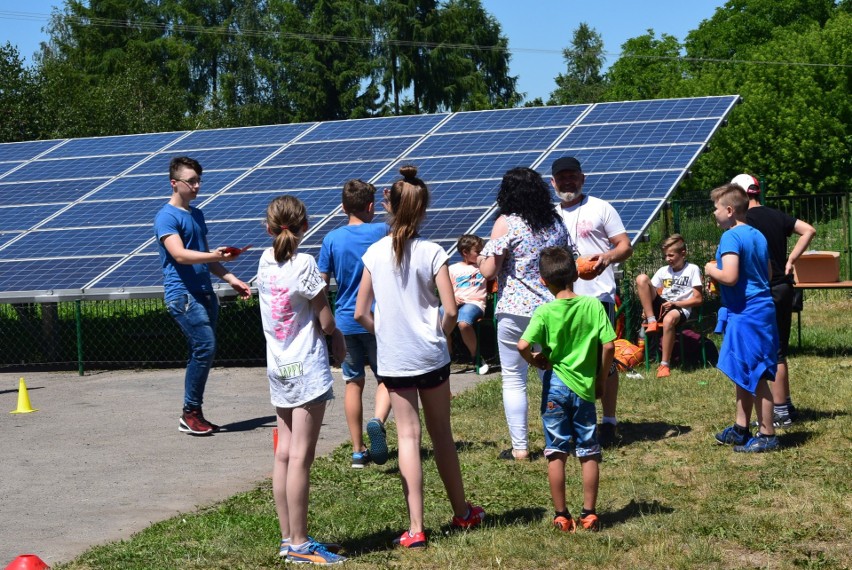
190	181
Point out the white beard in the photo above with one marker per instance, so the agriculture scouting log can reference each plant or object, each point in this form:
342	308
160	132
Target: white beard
567	196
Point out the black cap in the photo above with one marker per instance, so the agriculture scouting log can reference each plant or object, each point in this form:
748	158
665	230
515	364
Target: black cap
566	163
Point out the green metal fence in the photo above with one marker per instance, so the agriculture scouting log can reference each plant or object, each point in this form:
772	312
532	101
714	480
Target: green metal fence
87	334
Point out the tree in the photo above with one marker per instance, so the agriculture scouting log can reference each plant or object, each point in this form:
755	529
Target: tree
649	68
582	82
19	109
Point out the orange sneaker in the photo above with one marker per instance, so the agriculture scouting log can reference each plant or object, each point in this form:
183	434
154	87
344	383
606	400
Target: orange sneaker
591	522
565	524
651	328
663	371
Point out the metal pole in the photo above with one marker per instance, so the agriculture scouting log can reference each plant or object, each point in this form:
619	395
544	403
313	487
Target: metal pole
78	317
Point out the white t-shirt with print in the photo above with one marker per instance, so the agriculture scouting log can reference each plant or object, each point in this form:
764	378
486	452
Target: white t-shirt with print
409	339
590	223
296	355
677	285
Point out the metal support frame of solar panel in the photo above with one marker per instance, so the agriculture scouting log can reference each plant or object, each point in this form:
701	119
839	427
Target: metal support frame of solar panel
462	157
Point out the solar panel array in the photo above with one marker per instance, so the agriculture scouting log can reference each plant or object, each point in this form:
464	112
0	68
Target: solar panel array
76	215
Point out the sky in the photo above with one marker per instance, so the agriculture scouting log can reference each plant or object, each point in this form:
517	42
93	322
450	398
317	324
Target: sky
538	30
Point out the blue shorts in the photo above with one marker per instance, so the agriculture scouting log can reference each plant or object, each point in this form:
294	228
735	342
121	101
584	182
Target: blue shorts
470	313
570	422
360	351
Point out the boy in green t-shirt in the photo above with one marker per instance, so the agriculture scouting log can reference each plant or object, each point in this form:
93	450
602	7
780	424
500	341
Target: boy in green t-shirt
577	348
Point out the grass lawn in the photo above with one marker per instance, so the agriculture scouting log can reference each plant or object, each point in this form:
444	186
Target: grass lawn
669	497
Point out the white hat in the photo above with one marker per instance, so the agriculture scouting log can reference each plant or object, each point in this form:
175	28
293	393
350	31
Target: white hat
747	182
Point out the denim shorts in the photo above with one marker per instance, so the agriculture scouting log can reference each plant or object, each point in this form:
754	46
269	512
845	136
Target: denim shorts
360	352
329	395
570	422
469	313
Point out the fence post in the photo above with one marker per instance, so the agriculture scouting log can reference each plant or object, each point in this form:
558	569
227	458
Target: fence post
847	229
78	318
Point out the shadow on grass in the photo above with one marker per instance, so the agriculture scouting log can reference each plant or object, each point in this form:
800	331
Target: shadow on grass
633	510
809	415
632	432
382	540
249	425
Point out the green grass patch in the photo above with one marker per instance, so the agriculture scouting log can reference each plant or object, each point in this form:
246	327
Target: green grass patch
669	497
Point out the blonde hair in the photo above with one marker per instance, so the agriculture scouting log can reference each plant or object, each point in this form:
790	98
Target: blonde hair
407	201
672	241
731	195
285	218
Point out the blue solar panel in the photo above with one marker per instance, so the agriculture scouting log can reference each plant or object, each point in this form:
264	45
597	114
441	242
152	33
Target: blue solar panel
19	151
374	128
24	217
123	144
652	157
665	132
122	212
21	193
493	141
659	110
283	178
246	157
244	136
463	167
634	153
526	118
50	274
79	242
343	151
65	168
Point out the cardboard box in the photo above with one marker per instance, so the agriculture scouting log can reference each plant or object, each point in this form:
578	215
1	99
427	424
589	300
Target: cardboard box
817	267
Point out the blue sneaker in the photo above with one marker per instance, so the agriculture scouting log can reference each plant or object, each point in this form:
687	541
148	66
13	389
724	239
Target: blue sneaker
730	436
314	553
378	441
330	546
360	459
759	444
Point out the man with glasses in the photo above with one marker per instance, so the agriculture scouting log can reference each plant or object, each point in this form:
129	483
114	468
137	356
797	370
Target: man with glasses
187	263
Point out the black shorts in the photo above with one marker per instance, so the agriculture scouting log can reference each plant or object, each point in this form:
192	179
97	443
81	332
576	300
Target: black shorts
420	382
658	304
782	296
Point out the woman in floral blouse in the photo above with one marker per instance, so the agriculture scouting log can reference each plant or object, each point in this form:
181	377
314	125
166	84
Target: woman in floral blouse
526	224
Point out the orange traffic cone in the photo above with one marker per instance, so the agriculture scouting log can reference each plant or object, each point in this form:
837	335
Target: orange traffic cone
27	561
24	406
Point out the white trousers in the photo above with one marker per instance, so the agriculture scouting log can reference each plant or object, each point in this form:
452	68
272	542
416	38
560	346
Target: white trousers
514	370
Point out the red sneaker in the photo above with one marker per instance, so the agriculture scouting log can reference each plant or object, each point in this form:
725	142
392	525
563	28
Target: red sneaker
591	522
663	371
408	540
565	524
192	422
474	517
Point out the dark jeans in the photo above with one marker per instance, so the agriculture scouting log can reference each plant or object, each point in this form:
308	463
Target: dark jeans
196	316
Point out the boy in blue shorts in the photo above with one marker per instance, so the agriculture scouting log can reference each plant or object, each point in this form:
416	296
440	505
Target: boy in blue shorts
576	337
340	256
470	290
748	355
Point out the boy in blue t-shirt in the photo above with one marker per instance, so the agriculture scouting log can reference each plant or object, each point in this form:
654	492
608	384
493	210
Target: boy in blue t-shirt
576	337
340	256
187	263
748	355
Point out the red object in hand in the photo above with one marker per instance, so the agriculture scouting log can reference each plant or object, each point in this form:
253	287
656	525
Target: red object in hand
586	268
237	250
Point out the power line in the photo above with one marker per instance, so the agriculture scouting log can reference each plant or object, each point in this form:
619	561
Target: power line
227	31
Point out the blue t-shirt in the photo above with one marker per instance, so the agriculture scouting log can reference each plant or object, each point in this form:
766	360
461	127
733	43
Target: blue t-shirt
340	256
753	251
179	279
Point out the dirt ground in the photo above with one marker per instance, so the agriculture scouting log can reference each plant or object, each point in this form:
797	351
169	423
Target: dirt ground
102	458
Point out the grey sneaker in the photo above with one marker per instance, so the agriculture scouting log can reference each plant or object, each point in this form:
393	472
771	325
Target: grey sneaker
360	459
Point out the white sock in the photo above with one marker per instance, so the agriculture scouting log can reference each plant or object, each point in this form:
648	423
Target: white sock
651	320
609	420
663	363
299	547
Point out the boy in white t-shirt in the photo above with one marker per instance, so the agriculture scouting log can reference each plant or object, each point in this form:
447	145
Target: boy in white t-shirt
670	294
470	290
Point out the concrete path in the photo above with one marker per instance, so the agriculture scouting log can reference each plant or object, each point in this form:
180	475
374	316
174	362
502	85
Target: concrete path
102	457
